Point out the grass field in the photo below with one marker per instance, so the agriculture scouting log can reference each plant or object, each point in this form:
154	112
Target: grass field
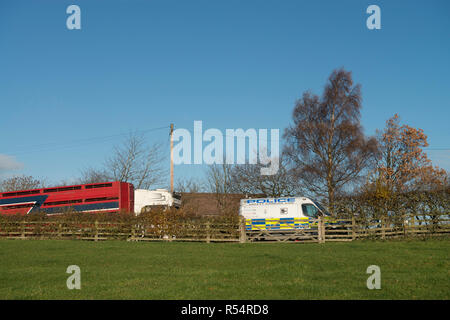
36	269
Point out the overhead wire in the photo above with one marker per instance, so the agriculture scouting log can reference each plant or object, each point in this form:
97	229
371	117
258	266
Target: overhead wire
53	146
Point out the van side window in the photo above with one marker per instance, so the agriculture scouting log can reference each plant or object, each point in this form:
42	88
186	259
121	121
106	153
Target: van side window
310	210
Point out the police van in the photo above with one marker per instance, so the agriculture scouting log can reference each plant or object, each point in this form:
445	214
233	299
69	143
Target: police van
281	213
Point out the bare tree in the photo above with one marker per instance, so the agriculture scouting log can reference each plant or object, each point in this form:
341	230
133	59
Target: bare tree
21	183
247	179
326	145
191	185
219	179
132	161
92	175
187	188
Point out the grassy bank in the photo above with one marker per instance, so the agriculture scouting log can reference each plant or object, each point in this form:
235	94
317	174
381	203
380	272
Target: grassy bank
34	269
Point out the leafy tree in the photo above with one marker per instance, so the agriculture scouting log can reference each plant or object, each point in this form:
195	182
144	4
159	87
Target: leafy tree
403	165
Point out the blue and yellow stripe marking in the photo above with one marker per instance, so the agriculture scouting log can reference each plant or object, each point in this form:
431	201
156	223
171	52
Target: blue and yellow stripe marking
277	224
283	223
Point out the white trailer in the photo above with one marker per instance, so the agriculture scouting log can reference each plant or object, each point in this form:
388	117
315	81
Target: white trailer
145	199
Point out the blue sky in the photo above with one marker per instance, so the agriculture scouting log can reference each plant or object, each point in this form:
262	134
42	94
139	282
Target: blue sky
137	65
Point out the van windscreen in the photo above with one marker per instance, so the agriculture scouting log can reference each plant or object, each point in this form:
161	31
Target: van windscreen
325	212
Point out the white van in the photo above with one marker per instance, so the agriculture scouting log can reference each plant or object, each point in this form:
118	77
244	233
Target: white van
280	213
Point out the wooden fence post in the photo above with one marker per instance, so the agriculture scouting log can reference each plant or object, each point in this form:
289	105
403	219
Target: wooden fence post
242	233
60	230
133	232
208	235
405	225
96	230
321	230
383	232
22	236
353	228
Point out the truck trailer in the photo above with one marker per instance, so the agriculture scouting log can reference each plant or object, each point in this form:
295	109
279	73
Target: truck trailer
110	197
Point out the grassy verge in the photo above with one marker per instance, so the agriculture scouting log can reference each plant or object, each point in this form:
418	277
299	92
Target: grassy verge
36	269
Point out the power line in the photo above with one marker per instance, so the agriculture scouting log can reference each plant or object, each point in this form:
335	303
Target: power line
52	146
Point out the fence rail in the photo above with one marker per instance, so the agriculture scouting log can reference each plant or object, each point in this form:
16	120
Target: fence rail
319	230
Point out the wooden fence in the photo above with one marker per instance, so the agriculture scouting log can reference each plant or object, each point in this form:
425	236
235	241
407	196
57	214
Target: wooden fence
320	230
208	231
331	229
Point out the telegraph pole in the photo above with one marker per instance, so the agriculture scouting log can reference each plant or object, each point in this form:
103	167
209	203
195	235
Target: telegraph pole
171	158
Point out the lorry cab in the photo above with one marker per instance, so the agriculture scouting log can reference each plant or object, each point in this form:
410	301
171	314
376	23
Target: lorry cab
280	213
144	199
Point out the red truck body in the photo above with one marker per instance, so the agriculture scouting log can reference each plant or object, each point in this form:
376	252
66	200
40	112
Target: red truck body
95	197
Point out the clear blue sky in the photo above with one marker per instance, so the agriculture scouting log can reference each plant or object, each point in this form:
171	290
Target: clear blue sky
232	64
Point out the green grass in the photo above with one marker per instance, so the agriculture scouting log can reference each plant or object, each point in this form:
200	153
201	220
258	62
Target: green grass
36	269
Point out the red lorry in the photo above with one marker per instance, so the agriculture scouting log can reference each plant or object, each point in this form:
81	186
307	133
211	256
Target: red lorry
95	197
